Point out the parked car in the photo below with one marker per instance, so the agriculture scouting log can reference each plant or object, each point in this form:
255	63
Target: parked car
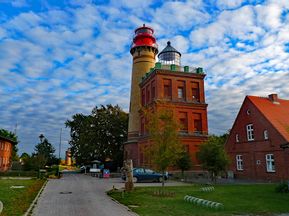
146	175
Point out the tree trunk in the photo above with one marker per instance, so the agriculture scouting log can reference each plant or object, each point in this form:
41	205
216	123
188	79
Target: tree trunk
129	175
163	180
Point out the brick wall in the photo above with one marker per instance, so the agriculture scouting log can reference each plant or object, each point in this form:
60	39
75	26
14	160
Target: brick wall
254	152
5	154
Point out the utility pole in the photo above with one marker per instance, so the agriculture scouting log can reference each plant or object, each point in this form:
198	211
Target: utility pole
59	152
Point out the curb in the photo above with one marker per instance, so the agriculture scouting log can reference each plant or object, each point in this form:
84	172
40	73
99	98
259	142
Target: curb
33	204
118	203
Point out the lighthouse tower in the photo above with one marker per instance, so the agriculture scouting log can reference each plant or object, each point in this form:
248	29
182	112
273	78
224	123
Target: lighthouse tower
143	50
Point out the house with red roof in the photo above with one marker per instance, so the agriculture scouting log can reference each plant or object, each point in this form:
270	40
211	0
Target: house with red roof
258	144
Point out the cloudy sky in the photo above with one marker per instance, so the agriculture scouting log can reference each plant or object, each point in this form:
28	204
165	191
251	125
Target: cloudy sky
61	57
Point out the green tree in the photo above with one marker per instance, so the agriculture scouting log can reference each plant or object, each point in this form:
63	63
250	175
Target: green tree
166	147
44	152
184	162
213	157
12	136
99	135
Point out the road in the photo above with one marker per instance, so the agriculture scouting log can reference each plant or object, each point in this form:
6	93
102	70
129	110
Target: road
77	195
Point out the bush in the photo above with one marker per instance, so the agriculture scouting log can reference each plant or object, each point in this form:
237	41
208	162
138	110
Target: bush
282	188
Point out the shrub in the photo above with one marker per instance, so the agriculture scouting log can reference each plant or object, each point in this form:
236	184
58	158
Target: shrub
282	188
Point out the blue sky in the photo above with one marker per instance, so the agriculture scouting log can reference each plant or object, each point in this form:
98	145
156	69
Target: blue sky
61	57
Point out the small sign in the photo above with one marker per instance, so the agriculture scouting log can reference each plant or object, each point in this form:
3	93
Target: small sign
106	173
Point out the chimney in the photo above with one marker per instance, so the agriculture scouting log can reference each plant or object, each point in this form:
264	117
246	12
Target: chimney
273	98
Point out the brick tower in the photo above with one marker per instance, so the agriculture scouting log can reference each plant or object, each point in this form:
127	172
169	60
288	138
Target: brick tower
143	50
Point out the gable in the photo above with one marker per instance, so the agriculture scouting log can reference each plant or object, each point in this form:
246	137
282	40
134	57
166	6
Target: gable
276	113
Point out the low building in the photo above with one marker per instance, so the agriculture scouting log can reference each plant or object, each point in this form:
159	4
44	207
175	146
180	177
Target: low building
6	147
258	141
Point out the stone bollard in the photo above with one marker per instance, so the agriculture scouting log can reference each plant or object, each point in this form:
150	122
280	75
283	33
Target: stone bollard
203	202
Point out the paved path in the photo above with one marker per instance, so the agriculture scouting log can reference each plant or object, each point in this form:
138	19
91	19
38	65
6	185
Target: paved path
77	195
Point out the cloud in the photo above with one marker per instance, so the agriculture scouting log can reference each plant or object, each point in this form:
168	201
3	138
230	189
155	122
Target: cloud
229	4
69	57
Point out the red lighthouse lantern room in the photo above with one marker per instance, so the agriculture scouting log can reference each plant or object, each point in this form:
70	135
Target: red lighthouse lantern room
143	38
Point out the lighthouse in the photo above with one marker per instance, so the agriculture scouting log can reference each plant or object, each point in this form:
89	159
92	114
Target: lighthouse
166	84
143	50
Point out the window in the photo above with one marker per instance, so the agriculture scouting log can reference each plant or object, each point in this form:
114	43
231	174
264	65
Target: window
167	89
237	138
195	92
248	112
250	132
197	117
148	94
143	97
181	89
180	92
142	126
266	137
270	163
239	162
0	161
153	90
183	121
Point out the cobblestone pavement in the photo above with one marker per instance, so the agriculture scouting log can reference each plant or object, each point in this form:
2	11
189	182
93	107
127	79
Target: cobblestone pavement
77	195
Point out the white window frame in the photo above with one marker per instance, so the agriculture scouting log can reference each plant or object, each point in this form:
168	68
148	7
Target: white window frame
239	162
266	136
270	162
250	132
237	138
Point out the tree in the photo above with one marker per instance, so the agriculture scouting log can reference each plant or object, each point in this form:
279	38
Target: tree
44	152
213	157
184	162
12	136
99	135
166	147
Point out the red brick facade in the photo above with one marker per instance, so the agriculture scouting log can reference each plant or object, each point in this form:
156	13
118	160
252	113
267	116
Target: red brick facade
5	153
255	139
183	92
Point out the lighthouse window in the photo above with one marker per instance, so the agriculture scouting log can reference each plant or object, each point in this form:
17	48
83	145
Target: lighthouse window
148	31
184	121
181	89
167	89
143	97
148	95
180	92
195	92
197	122
153	90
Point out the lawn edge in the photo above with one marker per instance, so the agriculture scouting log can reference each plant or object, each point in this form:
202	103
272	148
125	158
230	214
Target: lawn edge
32	205
120	204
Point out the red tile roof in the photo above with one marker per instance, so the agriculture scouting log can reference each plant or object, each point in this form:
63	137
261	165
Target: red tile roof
276	112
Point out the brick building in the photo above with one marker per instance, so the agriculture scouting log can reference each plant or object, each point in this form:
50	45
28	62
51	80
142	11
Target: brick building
165	84
6	146
261	127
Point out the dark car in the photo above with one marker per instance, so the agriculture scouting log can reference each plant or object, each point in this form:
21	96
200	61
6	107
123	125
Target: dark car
146	175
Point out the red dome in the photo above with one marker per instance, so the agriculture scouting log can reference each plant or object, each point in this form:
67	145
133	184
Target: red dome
144	37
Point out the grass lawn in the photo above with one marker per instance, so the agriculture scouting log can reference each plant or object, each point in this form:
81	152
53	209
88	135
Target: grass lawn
258	199
17	201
